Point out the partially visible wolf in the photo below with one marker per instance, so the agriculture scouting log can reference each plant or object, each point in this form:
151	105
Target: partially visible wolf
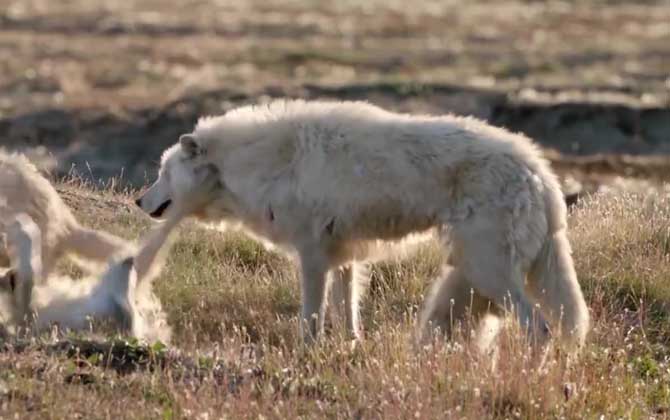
122	296
343	182
24	190
117	298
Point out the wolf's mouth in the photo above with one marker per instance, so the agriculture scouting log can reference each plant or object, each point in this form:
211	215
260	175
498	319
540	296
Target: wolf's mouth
161	209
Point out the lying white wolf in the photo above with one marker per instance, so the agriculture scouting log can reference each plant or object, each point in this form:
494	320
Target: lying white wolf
337	181
24	190
117	298
121	296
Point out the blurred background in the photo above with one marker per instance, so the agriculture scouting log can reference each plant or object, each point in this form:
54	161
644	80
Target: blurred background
101	87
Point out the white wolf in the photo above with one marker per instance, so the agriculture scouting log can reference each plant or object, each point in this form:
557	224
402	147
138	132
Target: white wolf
339	181
117	298
24	190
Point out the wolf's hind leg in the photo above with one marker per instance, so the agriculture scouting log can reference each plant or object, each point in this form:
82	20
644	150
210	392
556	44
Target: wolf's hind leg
452	301
489	262
348	287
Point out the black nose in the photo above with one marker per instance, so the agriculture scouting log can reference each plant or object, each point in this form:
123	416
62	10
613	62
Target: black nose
138	202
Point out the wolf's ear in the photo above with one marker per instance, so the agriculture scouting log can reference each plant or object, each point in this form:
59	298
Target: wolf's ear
190	145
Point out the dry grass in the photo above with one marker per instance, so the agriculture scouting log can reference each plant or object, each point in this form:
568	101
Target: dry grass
236	353
122	54
233	305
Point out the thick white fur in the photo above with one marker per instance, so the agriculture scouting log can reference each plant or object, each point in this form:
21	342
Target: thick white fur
24	190
342	182
117	297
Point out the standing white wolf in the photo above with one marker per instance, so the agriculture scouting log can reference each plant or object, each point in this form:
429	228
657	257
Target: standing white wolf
339	181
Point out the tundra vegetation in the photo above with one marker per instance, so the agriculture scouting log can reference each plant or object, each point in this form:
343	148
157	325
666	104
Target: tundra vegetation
236	352
110	84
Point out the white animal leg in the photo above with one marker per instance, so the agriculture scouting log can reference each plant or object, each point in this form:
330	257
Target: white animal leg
348	287
337	297
490	264
452	300
24	239
93	244
314	267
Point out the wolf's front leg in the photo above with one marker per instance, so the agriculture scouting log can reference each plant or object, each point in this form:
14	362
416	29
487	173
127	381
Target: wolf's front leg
314	268
24	242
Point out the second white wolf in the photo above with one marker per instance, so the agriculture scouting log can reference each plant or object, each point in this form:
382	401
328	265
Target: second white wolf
121	297
24	190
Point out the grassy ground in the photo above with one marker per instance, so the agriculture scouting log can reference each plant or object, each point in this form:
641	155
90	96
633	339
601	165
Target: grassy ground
108	80
233	306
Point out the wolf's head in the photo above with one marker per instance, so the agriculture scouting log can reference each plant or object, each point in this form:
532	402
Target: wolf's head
185	180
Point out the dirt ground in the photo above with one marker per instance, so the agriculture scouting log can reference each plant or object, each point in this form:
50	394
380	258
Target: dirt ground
104	86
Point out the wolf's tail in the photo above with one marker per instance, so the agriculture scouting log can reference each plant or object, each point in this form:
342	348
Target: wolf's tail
552	280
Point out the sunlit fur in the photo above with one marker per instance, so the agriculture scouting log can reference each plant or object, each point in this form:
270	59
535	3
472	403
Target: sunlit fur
121	297
24	190
342	182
